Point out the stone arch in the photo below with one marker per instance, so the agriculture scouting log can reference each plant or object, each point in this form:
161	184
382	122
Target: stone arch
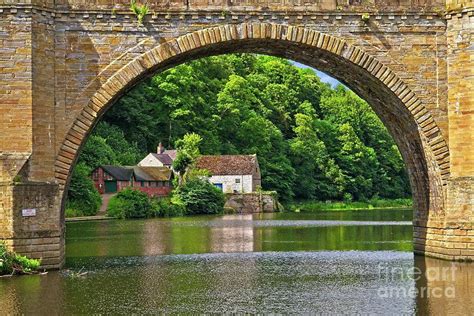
421	143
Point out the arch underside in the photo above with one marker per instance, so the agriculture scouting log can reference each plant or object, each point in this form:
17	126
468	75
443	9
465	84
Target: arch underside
419	139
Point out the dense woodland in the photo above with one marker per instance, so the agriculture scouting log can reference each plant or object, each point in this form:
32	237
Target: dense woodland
312	141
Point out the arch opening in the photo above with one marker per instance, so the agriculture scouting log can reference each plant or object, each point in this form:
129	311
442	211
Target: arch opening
409	123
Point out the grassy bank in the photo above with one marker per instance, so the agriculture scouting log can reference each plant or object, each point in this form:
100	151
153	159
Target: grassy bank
316	206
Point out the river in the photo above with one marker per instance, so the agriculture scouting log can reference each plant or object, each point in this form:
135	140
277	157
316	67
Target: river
332	262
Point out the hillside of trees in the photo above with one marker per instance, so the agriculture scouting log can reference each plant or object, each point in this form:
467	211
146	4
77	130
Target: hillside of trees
312	141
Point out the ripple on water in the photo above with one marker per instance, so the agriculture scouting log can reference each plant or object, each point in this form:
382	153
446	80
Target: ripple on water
280	282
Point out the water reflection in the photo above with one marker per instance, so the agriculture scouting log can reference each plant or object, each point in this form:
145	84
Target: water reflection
444	287
228	238
254	264
234	233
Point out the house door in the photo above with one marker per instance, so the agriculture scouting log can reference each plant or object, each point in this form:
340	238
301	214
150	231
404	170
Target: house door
110	186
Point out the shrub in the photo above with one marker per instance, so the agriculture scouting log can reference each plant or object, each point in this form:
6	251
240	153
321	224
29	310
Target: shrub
130	203
72	211
200	197
163	207
11	263
83	197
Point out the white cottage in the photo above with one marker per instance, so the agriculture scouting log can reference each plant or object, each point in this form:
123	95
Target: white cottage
232	173
162	158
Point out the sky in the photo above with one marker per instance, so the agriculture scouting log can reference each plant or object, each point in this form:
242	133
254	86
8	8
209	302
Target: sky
324	77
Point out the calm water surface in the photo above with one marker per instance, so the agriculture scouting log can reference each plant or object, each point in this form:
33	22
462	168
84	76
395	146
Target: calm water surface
332	262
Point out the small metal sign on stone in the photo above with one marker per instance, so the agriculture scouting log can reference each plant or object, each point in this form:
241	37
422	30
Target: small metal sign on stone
27	212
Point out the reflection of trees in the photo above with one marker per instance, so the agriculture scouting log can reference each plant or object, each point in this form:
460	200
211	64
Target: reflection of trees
33	295
444	288
382	237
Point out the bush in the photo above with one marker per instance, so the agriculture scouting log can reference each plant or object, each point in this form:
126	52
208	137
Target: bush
11	263
83	197
130	203
72	211
163	207
200	197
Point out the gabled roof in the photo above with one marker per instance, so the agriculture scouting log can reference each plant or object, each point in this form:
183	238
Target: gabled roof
165	159
228	164
171	152
152	173
118	172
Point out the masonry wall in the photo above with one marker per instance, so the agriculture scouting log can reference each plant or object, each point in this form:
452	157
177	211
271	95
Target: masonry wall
249	203
229	184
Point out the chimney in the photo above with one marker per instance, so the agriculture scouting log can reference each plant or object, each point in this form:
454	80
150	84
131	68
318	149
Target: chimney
160	149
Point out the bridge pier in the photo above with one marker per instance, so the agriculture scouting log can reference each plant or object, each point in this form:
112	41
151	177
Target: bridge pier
30	221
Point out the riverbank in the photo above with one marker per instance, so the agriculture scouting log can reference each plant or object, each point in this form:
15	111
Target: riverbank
318	206
88	218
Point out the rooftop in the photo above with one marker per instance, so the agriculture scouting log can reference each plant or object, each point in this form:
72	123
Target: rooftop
228	164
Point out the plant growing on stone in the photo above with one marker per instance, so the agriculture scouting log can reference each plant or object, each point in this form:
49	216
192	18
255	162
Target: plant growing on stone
12	263
139	10
365	17
225	13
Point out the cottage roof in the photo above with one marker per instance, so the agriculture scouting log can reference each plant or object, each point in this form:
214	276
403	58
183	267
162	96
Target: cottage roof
152	173
228	164
124	173
165	158
118	172
171	152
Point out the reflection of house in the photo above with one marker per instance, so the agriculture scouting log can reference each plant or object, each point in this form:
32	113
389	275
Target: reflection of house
231	237
232	173
162	158
155	181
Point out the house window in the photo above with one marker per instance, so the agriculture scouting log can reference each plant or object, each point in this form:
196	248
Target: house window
237	180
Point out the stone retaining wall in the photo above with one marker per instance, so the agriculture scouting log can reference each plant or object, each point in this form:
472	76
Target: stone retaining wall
248	203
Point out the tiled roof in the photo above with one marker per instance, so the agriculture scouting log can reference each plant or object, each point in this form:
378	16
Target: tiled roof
171	152
228	164
165	159
124	173
152	173
118	172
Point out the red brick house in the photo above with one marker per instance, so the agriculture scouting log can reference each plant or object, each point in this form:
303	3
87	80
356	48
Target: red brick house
155	181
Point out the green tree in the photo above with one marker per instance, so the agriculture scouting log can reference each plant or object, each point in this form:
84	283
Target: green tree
200	197
252	104
310	156
130	203
83	197
358	162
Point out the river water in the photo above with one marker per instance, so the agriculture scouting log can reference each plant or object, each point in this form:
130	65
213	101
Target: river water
330	262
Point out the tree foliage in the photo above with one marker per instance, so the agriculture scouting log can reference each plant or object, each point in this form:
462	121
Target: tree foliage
200	197
130	203
83	197
312	141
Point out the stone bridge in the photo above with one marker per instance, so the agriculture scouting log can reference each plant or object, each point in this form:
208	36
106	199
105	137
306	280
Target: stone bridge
64	63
